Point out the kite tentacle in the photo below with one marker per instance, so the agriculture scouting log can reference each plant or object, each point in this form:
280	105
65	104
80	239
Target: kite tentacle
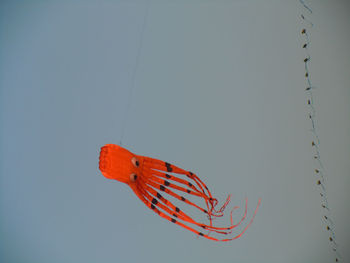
155	164
173	178
181	215
174	211
155	206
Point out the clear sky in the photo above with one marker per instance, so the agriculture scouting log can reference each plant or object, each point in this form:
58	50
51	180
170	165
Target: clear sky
217	88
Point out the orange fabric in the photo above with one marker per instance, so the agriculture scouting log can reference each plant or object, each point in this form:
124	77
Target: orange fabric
153	180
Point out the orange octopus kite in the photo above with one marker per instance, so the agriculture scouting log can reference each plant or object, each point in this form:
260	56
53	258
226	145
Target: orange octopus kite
147	176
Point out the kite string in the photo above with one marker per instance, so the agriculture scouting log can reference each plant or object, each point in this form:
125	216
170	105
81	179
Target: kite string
305	6
133	76
320	170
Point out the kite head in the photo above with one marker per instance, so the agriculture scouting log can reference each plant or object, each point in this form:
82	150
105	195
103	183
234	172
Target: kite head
119	164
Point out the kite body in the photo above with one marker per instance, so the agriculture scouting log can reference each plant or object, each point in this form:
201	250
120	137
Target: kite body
153	181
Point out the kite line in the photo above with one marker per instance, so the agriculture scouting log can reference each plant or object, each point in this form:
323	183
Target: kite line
319	170
133	76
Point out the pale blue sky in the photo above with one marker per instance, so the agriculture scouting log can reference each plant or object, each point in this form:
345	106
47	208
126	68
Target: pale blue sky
218	89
